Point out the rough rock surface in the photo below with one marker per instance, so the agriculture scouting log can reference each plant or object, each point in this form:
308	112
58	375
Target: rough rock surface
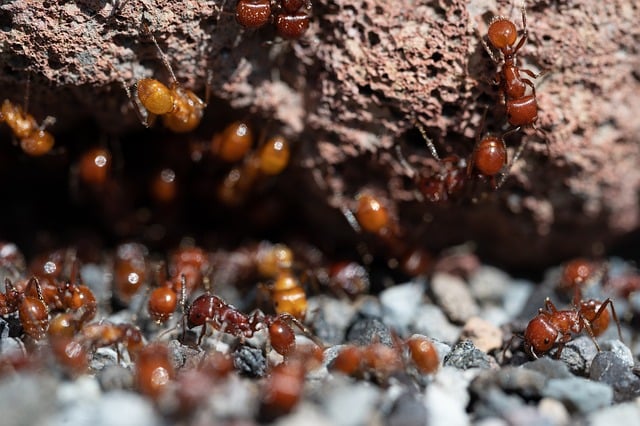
351	91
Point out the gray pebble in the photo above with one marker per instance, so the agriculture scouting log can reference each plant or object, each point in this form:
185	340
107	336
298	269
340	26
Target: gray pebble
369	330
488	284
627	414
550	368
26	399
250	361
431	321
454	296
407	410
114	377
447	398
620	349
608	368
465	355
578	354
400	303
578	394
348	403
525	382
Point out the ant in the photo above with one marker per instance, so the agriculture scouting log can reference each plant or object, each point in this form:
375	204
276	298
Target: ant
522	109
154	370
289	16
233	143
94	167
102	334
553	327
34	140
130	270
33	312
211	309
180	108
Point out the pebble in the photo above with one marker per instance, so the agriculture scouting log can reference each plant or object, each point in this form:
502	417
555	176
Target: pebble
447	398
620	349
453	295
550	368
579	394
627	414
27	399
113	377
348	404
488	284
250	361
525	382
609	368
431	321
400	303
407	410
465	355
484	335
554	410
578	354
369	330
329	318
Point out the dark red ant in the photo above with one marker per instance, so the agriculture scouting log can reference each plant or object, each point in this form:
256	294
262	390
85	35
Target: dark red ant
553	327
102	334
290	17
522	109
32	311
209	309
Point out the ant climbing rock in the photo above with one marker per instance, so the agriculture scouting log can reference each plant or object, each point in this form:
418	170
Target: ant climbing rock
553	327
181	109
34	140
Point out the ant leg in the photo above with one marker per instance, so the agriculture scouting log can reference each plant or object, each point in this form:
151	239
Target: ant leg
163	57
430	145
488	49
515	158
613	311
351	219
525	33
291	319
587	326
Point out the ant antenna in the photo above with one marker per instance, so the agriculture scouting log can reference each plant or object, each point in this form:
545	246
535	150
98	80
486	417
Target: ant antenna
163	57
430	145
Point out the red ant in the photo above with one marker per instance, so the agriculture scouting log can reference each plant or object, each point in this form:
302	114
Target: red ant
32	311
209	309
553	327
522	109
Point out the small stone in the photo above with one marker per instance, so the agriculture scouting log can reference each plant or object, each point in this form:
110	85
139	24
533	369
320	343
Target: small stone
250	361
115	377
329	318
27	399
609	368
550	368
553	410
620	349
453	295
524	382
578	394
484	335
465	355
400	303
578	354
431	321
407	410
348	403
627	414
369	330
488	284
446	398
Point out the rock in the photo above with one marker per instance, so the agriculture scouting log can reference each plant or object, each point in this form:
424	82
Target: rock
578	394
250	361
27	399
578	354
465	355
553	410
550	368
484	335
400	303
620	349
348	403
115	377
369	330
446	398
454	297
627	414
431	321
526	383
407	410
488	284
609	368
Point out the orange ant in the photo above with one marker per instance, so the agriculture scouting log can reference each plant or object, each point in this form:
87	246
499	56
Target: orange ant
154	370
180	108
553	327
130	270
34	140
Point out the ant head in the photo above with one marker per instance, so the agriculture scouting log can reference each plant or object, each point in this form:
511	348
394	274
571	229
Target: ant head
200	310
540	335
502	33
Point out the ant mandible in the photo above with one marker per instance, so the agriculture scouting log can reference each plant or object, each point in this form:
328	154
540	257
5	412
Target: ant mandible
180	108
553	327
